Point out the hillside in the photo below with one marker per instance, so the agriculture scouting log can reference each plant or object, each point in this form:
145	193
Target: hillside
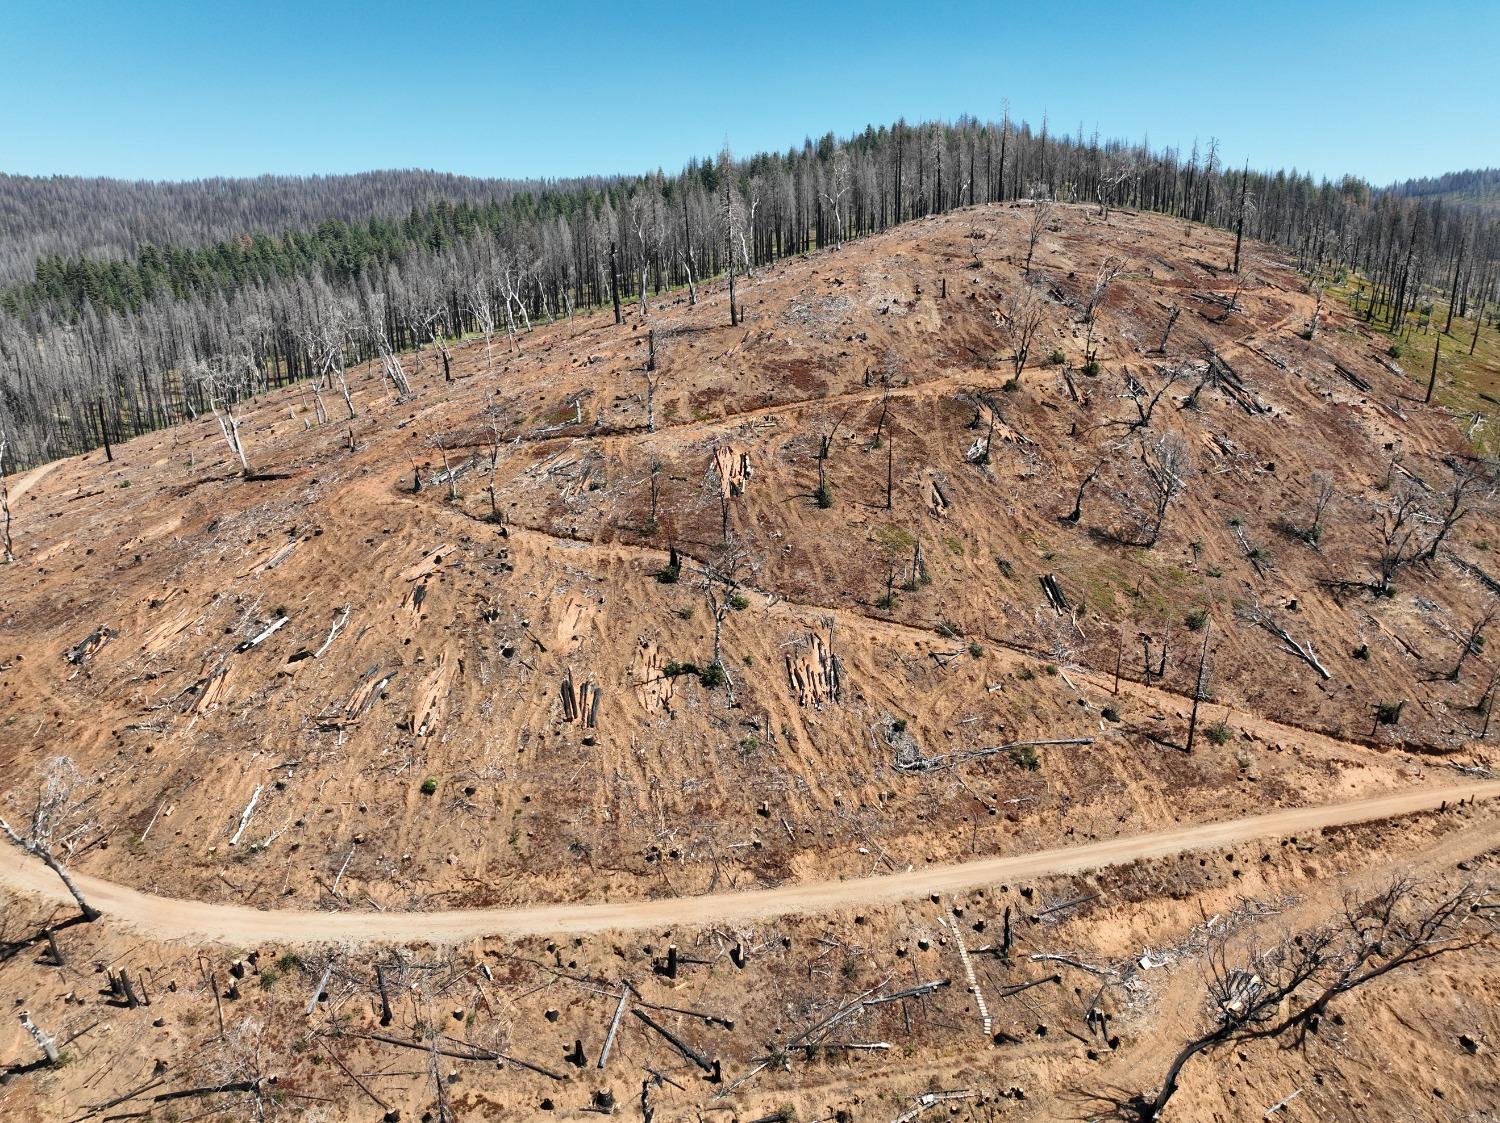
437	656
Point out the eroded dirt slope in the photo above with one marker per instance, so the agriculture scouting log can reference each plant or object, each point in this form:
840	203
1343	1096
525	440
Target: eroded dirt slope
406	738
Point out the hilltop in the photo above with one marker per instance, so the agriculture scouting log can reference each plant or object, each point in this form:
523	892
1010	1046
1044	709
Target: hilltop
803	602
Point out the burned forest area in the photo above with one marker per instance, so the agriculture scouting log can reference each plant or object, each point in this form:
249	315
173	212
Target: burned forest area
1033	661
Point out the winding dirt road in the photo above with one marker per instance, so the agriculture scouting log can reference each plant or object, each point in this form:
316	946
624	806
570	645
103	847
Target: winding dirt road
169	918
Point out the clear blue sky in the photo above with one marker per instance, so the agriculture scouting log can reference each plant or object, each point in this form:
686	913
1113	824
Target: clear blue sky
168	90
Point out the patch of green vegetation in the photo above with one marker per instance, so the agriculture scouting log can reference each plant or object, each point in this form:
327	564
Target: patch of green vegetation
895	539
1109	713
955	546
1196	620
1025	756
899	725
712	676
1057	358
739	602
669	574
823	497
1362	653
1217	734
685	612
975	651
429	785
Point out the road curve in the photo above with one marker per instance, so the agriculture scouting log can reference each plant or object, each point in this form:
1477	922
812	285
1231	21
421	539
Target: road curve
170	918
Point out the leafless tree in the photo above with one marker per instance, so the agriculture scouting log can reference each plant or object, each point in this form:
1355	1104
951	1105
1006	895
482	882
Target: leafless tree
1473	642
225	380
823	495
839	183
54	801
720	583
7	545
481	306
1458	502
1311	530
1399	525
1164	462
1023	316
1076	513
1041	218
1289	987
1108	272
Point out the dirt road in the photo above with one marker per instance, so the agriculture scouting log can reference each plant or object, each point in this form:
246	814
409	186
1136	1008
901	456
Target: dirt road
169	918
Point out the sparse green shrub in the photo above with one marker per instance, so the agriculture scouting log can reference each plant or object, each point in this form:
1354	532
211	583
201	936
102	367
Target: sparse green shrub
1213	571
674	668
1026	674
1389	713
1010	386
1091	368
975	651
899	725
1362	653
1395	350
669	574
1057	358
1217	733
1196	620
1110	714
685	612
429	785
1025	756
823	497
739	602
712	676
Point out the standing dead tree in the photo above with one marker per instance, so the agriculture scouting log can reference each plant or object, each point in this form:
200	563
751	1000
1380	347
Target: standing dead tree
1165	465
1109	269
1311	528
824	496
1200	690
225	381
1288	988
721	589
1458	502
481	306
53	802
1076	513
7	544
1400	520
1041	218
1023	316
1473	641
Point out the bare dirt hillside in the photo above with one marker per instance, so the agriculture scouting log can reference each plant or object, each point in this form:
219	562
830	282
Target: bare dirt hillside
449	669
460	650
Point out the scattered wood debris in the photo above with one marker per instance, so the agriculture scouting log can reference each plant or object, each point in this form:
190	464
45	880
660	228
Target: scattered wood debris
813	671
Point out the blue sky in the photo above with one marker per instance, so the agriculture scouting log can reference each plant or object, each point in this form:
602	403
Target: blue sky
166	90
